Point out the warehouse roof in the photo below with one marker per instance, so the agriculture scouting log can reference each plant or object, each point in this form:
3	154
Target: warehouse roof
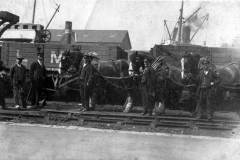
118	37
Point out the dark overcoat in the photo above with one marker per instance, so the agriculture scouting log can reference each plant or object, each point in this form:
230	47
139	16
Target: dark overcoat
18	74
37	73
87	75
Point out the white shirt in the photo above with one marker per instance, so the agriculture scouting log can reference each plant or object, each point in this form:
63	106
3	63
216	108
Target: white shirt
19	65
205	72
39	62
130	69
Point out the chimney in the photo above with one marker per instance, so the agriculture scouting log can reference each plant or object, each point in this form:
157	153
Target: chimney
68	32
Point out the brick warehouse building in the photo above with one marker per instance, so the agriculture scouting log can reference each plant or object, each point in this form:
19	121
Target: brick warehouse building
118	38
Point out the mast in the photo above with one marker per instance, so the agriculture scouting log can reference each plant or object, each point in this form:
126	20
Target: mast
34	9
180	24
165	24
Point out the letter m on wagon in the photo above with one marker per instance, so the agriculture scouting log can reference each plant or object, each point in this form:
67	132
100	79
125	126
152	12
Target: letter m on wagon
56	58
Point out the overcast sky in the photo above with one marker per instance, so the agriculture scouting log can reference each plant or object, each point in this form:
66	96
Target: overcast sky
142	18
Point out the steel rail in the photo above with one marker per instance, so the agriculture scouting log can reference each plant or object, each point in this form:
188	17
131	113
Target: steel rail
48	116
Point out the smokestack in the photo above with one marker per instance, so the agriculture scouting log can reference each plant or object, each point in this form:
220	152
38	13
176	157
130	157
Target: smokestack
186	34
175	31
68	32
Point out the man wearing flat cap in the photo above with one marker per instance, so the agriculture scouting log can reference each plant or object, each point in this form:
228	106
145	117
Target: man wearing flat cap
87	83
148	88
161	78
18	77
38	77
207	78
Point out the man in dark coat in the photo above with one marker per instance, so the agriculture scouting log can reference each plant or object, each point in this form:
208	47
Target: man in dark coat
88	86
162	75
207	80
18	77
3	71
136	66
38	77
148	88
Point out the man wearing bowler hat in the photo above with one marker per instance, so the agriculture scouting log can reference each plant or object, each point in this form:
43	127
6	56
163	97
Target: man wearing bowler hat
38	77
18	77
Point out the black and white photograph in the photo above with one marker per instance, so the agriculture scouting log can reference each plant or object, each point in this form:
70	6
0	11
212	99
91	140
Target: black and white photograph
119	79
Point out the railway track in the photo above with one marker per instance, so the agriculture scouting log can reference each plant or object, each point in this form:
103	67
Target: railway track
117	118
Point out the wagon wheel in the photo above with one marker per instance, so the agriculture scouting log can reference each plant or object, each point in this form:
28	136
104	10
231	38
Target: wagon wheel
45	35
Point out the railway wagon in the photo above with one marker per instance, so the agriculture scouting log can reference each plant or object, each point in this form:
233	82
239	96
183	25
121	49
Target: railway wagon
174	53
218	55
52	53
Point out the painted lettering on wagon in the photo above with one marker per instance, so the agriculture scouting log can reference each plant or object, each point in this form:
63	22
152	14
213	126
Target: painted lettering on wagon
56	57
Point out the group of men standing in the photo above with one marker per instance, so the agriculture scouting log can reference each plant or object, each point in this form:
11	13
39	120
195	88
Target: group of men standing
206	79
21	90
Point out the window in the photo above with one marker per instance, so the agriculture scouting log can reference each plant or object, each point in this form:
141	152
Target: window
25	26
